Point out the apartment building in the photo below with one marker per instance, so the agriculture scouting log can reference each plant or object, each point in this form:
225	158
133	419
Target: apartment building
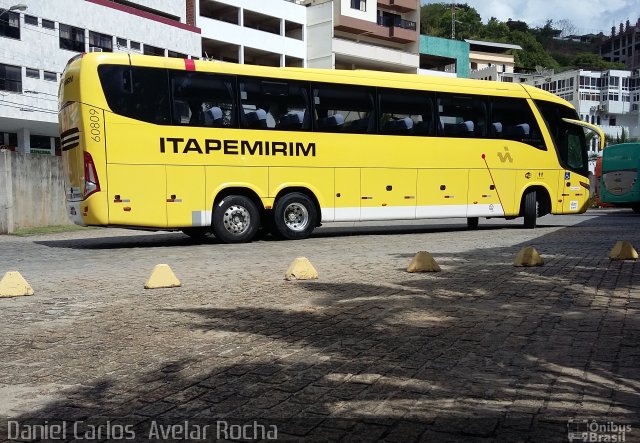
265	32
38	37
623	46
364	34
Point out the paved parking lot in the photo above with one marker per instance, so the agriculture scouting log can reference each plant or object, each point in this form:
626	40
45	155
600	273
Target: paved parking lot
480	352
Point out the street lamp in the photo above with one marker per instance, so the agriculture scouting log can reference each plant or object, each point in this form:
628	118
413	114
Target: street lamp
18	7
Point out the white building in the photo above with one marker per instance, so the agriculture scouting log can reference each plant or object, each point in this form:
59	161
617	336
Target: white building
265	32
37	41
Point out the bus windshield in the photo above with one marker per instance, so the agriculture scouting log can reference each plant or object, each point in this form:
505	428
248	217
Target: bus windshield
569	139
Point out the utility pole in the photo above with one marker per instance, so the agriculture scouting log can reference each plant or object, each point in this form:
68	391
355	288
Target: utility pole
453	20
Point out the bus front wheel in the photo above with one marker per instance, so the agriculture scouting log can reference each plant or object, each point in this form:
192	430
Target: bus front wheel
294	216
530	209
235	219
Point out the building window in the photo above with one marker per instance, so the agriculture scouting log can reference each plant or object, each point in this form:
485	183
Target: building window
71	38
121	42
10	78
48	24
40	144
50	76
176	54
102	41
9	24
153	50
31	20
135	45
33	73
360	5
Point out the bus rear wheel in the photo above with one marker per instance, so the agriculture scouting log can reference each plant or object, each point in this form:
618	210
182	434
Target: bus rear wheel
472	223
530	209
294	216
235	219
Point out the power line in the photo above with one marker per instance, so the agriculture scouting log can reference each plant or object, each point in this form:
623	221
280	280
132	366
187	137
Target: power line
32	108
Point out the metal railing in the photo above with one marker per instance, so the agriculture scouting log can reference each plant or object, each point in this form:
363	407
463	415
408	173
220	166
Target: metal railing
392	22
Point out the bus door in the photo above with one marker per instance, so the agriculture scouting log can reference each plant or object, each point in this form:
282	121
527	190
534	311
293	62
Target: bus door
388	194
573	190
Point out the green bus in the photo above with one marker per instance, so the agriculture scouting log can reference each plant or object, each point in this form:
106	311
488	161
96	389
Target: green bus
619	179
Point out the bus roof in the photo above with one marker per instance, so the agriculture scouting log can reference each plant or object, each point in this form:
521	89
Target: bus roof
356	77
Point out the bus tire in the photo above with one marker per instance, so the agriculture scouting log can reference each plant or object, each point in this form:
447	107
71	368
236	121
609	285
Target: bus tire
636	208
294	216
472	223
235	219
530	209
198	233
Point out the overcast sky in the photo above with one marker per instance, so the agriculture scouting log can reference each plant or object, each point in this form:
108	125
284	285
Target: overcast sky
588	16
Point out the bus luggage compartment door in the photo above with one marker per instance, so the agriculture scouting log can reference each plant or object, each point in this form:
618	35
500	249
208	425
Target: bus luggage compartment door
185	197
137	195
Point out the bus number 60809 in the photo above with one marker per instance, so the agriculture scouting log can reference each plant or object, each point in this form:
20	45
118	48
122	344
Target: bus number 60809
94	124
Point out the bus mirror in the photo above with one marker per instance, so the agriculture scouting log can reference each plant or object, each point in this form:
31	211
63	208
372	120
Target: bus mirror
588	126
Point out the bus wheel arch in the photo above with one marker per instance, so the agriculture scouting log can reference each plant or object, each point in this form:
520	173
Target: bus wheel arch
535	203
236	215
295	214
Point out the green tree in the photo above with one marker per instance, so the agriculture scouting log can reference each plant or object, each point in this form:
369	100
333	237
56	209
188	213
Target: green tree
435	19
588	60
495	30
532	54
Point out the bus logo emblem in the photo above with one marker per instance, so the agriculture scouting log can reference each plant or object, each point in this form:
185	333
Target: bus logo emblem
505	156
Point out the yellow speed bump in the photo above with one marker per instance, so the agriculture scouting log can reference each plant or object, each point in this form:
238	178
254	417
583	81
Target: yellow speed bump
162	277
301	269
528	256
14	285
623	250
423	262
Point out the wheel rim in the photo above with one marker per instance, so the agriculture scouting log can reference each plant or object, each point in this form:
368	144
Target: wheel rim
296	217
236	219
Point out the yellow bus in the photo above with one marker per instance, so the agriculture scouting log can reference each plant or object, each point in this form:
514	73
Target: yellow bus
211	147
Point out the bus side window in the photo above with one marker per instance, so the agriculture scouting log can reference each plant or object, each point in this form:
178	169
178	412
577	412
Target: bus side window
340	108
137	92
274	104
512	119
406	112
462	115
203	99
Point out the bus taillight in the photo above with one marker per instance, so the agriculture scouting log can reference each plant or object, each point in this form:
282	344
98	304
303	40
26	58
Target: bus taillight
91	182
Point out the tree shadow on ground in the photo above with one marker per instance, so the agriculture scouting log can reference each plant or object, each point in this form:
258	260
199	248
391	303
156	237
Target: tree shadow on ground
479	352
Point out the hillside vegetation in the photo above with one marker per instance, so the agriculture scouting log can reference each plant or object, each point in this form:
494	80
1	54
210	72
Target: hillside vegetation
542	47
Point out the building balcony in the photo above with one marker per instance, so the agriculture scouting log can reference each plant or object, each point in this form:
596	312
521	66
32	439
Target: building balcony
399	31
368	56
399	5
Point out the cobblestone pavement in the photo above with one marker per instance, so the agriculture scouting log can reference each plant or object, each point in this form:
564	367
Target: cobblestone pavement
480	352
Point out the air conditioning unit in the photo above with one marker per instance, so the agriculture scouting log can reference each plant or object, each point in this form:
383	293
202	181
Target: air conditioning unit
94	49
